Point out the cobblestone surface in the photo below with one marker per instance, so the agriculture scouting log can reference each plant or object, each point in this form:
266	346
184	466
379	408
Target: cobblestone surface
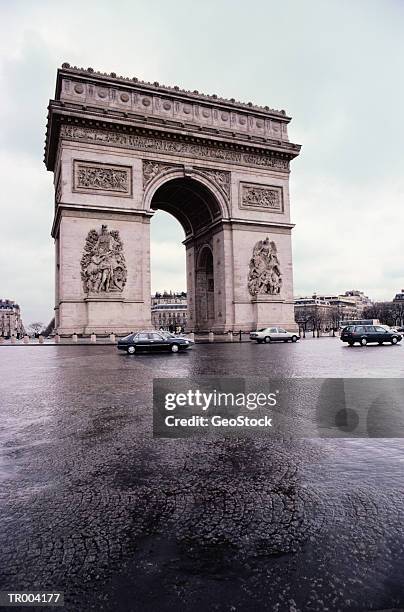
91	504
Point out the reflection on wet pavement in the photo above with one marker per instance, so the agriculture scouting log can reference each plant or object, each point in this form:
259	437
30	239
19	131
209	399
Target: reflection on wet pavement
93	505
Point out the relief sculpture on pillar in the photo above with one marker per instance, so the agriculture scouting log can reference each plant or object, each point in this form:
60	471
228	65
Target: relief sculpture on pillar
103	267
264	276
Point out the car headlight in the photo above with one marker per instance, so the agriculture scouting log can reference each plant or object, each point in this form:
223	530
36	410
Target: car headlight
186	341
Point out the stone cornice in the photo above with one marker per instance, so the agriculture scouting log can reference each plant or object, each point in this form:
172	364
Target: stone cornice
240	224
64	208
130	104
136	135
95	77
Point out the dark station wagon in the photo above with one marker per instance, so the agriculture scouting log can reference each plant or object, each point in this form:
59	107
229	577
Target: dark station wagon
365	334
153	341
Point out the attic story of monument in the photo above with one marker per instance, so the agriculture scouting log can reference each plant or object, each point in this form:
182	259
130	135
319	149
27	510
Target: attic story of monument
120	149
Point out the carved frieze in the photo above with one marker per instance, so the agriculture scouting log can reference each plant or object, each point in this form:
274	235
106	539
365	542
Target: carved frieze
166	146
261	196
165	103
220	177
103	266
104	179
264	275
151	169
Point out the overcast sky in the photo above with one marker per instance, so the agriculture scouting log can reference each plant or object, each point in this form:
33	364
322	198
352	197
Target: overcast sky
336	66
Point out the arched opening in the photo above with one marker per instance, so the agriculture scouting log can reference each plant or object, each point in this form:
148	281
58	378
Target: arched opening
189	201
197	210
168	275
205	290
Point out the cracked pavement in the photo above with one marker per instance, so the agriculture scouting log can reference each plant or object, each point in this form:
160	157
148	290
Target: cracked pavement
92	505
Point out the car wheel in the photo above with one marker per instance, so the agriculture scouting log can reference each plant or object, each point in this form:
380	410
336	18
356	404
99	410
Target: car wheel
267	339
394	340
364	341
131	350
175	348
294	338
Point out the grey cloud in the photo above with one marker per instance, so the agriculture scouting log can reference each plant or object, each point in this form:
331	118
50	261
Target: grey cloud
335	66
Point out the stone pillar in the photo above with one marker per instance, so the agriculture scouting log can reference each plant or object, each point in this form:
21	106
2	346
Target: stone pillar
211	337
85	308
41	339
57	339
230	336
93	338
26	339
74	338
13	339
191	336
112	338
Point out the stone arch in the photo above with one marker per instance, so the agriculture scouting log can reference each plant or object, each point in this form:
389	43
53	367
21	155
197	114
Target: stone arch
215	197
192	201
204	289
121	149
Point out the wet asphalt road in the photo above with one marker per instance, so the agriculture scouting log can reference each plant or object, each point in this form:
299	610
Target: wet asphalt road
91	504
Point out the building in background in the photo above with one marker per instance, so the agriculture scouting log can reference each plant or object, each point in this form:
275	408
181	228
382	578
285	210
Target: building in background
361	300
327	311
169	310
399	298
312	313
10	319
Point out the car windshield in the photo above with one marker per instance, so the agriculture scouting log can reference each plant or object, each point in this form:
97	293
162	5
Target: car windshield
167	334
128	337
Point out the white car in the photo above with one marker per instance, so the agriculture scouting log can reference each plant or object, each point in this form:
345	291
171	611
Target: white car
273	334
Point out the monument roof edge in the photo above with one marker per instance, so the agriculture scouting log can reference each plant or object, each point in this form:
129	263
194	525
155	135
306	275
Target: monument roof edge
60	114
91	74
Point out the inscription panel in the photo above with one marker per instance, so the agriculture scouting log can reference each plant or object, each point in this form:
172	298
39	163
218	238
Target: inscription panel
103	179
262	197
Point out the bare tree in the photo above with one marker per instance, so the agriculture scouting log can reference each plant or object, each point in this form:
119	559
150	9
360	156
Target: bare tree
304	317
35	327
336	316
388	313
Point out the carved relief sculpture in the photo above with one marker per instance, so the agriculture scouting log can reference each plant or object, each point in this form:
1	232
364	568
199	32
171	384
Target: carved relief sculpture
220	177
262	197
264	276
103	267
151	169
99	178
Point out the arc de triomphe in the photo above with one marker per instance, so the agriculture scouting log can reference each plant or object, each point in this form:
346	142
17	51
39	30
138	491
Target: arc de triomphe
120	149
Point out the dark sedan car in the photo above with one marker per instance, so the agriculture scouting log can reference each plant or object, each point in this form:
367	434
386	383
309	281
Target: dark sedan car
364	334
153	341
